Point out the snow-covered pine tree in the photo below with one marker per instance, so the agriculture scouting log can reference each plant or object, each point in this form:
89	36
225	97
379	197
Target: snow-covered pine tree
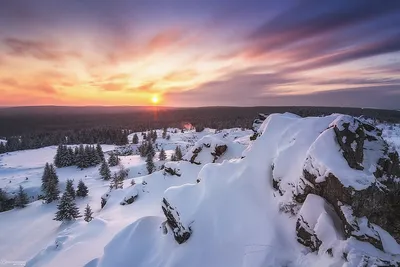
67	209
104	170
122	174
45	177
88	214
6	203
2	148
87	159
135	139
64	156
116	182
80	159
168	137
82	190
150	149
52	192
178	153
154	136
57	157
69	188
113	160
100	152
149	163
162	155
143	150
70	157
164	133
76	156
21	200
173	157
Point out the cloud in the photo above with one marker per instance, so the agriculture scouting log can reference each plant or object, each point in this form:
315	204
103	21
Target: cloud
38	50
313	18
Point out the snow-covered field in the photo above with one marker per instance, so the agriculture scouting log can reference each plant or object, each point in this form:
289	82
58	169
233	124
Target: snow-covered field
227	200
31	235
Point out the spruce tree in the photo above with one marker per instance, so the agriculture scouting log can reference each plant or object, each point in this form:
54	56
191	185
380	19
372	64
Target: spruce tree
87	158
69	188
116	182
76	156
113	160
100	152
143	150
123	173
57	157
67	209
178	153
135	139
70	157
21	200
173	157
88	214
45	178
6	203
168	137
82	190
51	191
2	148
149	163
162	155
150	149
80	159
154	136
104	170
164	133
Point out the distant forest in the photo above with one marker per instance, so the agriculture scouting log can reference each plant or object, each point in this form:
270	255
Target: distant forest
42	126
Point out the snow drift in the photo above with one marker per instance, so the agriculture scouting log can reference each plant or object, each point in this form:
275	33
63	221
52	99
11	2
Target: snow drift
315	191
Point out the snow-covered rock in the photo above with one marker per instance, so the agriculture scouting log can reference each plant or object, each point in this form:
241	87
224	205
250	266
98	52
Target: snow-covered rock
213	148
318	225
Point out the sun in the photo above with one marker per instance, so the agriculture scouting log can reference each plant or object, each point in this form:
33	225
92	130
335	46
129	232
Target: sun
155	99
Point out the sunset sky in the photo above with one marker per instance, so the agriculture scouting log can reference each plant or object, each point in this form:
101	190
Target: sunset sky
200	52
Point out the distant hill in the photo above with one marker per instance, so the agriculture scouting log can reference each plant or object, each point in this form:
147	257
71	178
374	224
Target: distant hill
37	119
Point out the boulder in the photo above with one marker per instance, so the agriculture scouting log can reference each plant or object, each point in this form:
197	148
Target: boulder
181	233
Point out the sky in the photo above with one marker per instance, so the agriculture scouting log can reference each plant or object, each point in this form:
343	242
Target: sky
200	52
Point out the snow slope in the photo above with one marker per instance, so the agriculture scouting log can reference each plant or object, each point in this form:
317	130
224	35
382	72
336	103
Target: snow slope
233	216
30	235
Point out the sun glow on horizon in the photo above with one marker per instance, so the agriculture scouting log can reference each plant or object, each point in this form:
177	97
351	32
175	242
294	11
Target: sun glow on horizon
155	99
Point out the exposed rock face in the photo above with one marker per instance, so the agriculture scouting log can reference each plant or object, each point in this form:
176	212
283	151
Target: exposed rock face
181	233
171	171
375	202
129	200
219	151
196	152
317	224
104	199
258	121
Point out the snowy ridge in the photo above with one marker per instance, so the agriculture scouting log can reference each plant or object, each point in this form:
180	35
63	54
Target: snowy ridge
232	210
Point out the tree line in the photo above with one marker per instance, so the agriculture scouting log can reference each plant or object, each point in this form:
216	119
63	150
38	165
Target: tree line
81	156
84	136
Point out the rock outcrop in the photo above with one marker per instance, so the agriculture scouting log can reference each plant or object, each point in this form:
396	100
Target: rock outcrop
210	148
348	164
181	233
361	203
